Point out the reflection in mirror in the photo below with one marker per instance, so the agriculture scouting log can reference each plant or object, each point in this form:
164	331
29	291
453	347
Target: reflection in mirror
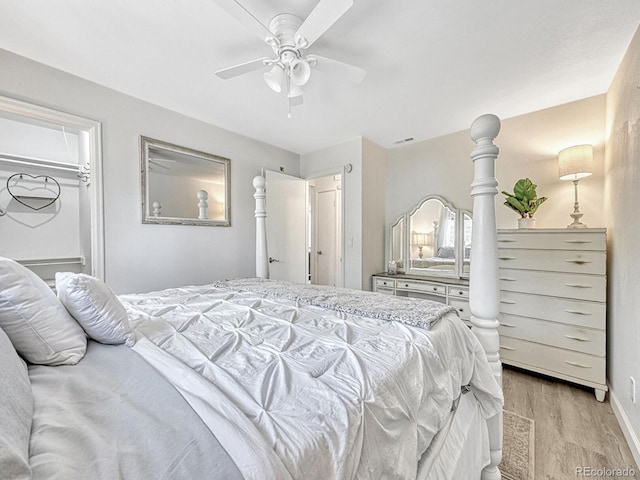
466	242
184	186
396	253
432	243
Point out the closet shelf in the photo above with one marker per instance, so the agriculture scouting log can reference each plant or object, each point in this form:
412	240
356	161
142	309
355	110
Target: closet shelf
45	262
35	197
23	160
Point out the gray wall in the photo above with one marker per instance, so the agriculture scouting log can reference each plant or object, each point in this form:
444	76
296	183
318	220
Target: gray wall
146	257
621	193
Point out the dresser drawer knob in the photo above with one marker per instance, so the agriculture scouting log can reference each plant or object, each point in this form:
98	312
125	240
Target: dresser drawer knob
507	258
575	364
508	302
578	261
508	325
578	312
507	279
580	339
578	285
506	240
507	348
577	241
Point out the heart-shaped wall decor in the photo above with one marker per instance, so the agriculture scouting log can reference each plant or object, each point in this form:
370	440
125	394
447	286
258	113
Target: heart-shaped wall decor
36	192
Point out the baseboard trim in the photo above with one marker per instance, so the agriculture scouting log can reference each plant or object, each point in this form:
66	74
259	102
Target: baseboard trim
625	425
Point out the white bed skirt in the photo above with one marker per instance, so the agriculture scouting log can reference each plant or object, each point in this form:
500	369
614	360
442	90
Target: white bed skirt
461	448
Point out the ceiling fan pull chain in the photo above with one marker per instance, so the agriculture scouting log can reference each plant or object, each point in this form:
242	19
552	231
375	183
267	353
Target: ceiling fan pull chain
288	95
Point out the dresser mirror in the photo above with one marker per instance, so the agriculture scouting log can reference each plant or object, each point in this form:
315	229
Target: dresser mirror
436	237
184	186
397	243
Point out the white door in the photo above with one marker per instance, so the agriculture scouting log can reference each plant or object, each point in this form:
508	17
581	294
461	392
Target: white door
326	238
286	232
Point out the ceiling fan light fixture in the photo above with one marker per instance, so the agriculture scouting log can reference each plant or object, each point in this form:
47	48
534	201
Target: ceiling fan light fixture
294	90
300	72
273	78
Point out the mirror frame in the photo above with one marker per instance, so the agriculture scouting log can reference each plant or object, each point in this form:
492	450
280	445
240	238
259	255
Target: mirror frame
458	270
145	144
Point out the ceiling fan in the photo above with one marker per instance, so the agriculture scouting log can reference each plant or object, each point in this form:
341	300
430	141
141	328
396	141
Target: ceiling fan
289	69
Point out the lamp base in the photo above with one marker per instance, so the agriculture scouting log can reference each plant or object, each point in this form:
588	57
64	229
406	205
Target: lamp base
576	221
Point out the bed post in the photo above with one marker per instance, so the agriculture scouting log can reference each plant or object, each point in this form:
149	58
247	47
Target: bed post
483	280
262	264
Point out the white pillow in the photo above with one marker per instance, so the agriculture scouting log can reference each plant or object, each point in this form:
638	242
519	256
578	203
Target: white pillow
95	307
39	327
16	412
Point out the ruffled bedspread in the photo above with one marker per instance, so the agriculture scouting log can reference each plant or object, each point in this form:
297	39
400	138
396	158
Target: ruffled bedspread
410	311
293	390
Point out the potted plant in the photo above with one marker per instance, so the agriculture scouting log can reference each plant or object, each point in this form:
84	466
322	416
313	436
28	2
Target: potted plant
524	201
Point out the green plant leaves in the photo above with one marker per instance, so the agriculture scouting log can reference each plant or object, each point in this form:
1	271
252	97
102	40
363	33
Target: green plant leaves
524	199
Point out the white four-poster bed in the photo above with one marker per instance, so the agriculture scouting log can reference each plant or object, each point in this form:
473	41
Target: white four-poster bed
483	285
253	379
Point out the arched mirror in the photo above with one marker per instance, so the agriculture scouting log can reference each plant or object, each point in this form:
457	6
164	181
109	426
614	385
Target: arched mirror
436	237
432	238
396	250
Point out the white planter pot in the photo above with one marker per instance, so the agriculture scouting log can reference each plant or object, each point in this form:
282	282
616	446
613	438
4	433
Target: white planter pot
527	222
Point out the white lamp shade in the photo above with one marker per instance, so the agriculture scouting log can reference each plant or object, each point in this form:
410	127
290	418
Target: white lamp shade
420	239
273	78
300	72
575	162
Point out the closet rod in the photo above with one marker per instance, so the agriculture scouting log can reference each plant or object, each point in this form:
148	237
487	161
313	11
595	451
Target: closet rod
39	162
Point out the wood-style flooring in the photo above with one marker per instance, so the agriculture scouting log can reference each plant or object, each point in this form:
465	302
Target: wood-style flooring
572	429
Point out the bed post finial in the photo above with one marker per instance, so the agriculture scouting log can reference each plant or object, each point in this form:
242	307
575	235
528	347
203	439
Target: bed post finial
483	277
262	265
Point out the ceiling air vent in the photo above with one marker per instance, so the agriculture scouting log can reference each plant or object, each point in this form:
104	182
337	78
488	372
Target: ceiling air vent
403	140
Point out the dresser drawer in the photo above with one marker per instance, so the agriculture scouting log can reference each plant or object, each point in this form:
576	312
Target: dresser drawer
569	261
564	240
562	310
528	354
462	307
385	290
574	338
381	283
458	292
581	287
426	287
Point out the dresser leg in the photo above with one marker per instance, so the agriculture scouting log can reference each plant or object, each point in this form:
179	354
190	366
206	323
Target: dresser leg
600	395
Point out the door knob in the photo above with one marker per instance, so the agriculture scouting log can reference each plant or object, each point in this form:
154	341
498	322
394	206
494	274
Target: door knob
271	260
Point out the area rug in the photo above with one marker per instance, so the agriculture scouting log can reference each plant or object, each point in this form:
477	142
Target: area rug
518	447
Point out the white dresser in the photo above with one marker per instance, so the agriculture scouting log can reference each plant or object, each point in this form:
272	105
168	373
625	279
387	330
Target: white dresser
452	291
553	303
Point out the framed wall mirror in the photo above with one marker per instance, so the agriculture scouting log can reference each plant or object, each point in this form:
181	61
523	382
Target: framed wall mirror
432	239
182	186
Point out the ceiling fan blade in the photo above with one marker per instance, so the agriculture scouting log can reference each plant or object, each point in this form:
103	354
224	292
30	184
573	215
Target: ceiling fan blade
325	14
348	72
241	69
244	17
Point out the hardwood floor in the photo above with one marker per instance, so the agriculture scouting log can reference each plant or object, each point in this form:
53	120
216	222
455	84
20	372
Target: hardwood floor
572	429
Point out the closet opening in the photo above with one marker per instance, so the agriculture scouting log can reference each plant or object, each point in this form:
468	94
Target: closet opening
50	190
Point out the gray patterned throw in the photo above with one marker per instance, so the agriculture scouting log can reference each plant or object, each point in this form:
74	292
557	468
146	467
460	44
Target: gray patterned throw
416	312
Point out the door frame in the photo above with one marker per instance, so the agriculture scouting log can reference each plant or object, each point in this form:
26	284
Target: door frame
342	171
94	130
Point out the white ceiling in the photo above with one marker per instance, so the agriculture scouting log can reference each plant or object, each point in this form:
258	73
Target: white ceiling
433	65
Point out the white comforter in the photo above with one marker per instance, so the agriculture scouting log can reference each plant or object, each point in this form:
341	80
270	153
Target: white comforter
297	391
